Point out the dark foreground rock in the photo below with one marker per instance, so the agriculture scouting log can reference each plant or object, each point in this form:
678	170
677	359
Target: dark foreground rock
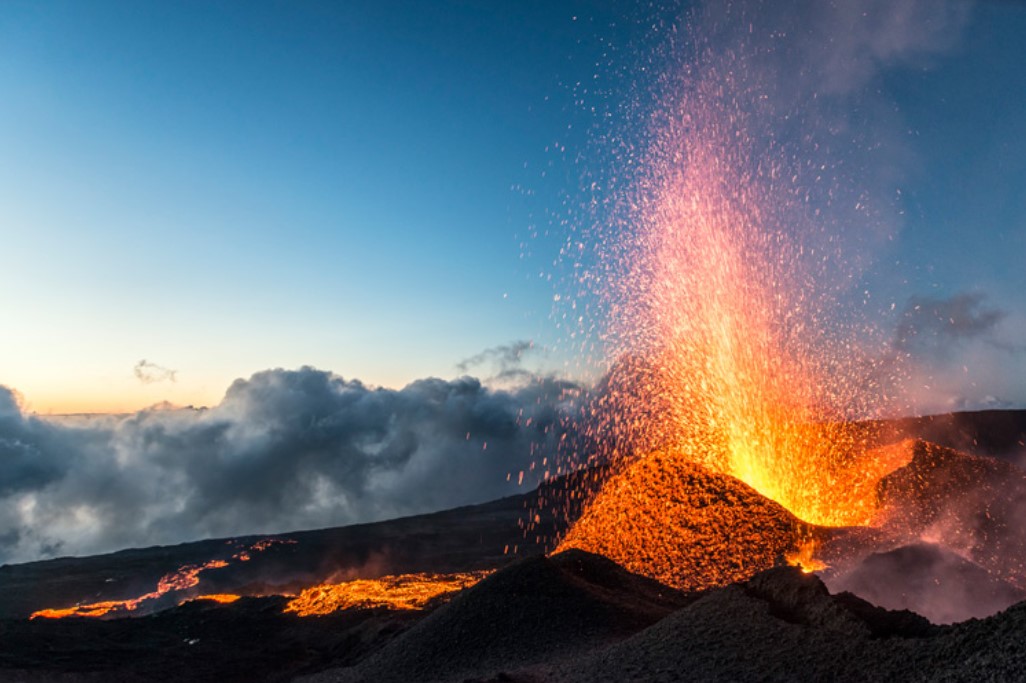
536	611
740	633
573	617
780	626
250	640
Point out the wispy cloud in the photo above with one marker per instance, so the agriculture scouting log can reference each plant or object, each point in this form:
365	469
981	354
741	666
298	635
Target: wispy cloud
150	373
504	362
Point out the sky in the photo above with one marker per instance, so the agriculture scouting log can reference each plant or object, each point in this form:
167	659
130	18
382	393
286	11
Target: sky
217	190
337	227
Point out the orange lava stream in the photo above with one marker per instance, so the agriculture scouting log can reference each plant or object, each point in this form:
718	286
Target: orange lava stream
398	592
96	609
182	579
186	577
223	598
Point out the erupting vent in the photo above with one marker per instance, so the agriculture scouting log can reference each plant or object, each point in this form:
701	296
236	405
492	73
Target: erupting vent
735	358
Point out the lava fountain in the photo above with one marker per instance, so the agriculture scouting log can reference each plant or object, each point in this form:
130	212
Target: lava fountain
734	353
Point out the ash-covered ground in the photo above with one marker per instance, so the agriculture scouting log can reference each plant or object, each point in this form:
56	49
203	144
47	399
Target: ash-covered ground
955	552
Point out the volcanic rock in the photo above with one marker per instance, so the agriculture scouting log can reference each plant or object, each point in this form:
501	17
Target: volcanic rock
783	626
995	433
929	580
537	610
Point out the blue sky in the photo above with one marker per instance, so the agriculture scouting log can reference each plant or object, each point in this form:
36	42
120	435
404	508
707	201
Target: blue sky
221	188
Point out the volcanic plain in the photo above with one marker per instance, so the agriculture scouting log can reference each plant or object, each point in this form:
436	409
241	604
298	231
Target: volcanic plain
935	593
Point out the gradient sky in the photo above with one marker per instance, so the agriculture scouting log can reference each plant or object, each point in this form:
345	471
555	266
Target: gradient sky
222	188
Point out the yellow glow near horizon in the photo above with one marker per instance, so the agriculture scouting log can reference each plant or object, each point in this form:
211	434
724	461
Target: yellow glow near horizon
96	402
49	394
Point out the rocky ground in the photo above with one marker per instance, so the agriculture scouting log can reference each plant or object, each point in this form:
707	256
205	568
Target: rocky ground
570	617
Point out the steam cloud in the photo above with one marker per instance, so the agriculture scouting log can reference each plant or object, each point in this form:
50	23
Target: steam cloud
283	450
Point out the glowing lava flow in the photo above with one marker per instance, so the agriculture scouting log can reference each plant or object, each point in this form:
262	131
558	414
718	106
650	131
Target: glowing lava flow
723	285
222	598
399	592
182	579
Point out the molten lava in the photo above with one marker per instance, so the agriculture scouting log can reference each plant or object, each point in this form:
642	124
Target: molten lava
223	598
96	609
184	578
399	592
804	558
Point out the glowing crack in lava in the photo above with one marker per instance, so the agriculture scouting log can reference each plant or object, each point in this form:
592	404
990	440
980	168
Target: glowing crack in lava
735	356
399	592
182	579
222	598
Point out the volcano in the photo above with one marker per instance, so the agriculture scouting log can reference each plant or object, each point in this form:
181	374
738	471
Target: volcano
933	590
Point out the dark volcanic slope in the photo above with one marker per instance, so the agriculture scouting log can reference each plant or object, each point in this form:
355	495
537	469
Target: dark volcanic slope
462	539
975	504
199	642
997	433
554	621
792	630
929	580
537	610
